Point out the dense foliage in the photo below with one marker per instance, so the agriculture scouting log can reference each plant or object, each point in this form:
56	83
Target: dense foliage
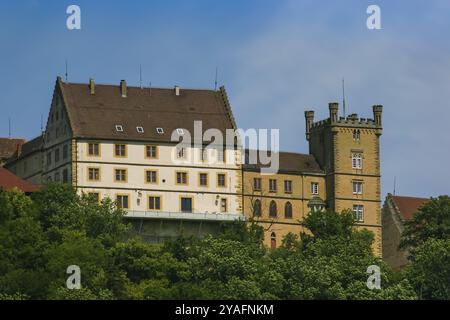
41	236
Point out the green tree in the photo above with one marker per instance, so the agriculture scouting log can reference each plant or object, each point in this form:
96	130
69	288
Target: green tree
432	220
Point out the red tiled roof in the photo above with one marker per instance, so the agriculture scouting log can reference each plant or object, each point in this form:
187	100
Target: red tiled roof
8	181
407	206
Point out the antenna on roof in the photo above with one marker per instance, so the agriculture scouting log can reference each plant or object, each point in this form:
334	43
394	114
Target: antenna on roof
150	88
215	81
343	95
395	182
9	127
67	71
42	123
140	76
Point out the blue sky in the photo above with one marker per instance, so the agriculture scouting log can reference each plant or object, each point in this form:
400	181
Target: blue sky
276	59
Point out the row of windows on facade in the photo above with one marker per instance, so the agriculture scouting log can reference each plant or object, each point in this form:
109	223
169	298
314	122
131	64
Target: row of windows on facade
358	210
58	176
57	155
155	203
257	186
151	152
151	176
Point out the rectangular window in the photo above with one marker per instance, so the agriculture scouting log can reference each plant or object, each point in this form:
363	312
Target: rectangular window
356	160
358	212
203	179
272	185
120	150
314	188
94	149
204	154
186	204
151	176
182	177
65	176
221	180
93	174
223	205
57	175
122	201
154	203
287	186
65	152
357	187
95	196
256	184
151	152
57	155
120	175
181	152
220	155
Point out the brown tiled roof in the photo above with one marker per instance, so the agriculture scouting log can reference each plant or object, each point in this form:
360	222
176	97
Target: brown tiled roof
28	148
8	181
96	115
9	146
407	206
290	162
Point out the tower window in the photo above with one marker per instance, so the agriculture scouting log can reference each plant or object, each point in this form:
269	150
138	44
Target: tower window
358	212
357	187
257	208
223	205
314	188
356	135
356	160
273	240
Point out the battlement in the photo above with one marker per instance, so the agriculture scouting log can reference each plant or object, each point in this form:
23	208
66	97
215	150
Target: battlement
351	120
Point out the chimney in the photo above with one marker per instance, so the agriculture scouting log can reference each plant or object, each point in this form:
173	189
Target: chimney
177	90
92	86
123	88
19	149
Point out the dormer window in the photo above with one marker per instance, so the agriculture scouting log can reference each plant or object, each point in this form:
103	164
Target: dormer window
140	129
119	128
180	131
160	130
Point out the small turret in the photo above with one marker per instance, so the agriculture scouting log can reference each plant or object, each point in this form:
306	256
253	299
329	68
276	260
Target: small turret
377	110
333	106
309	117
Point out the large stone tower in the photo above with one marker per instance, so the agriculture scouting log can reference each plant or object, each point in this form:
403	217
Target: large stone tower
348	149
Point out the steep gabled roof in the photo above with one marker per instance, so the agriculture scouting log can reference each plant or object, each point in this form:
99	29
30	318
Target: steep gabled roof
95	116
407	206
8	181
289	162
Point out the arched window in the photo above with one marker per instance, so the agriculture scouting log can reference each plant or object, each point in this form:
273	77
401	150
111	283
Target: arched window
257	208
273	240
273	209
288	210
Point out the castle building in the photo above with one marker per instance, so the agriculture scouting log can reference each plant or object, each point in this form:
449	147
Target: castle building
118	142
